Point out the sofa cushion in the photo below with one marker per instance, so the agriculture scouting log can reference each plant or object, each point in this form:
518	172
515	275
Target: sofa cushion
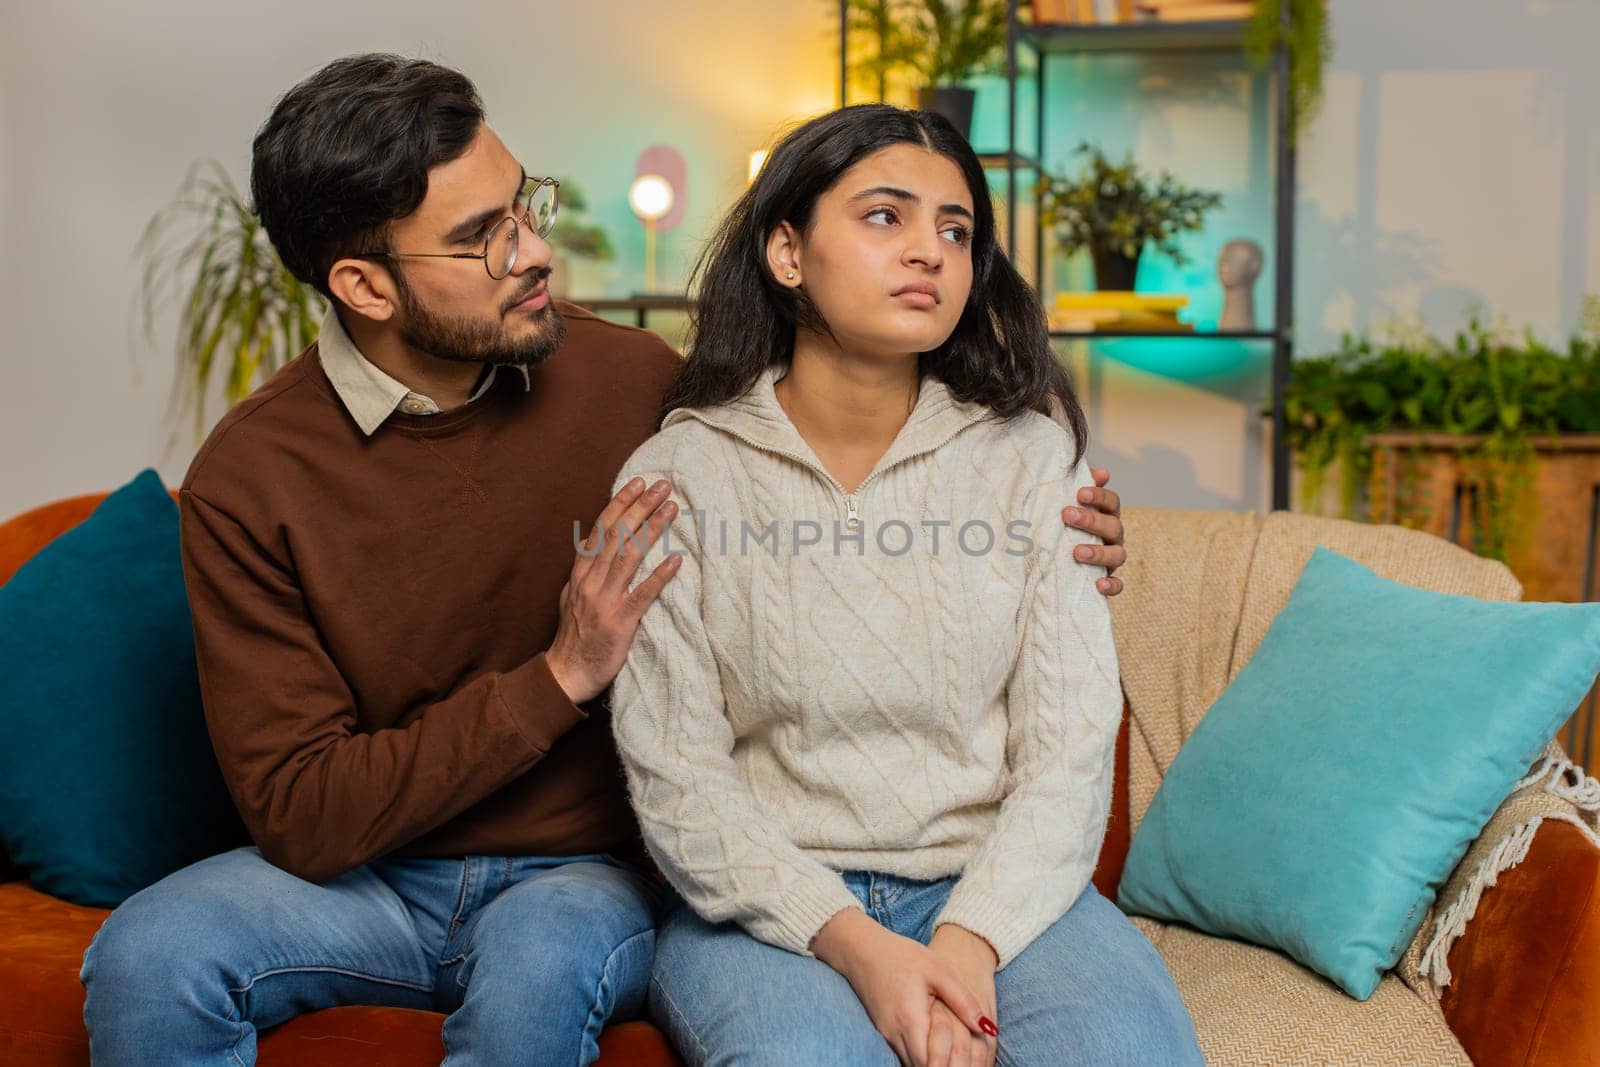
1528	967
42	941
1254	1006
1336	783
107	777
41	1001
400	1037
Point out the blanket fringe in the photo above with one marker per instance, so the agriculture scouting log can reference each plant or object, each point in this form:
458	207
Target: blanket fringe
1568	781
1554	775
1561	778
1449	926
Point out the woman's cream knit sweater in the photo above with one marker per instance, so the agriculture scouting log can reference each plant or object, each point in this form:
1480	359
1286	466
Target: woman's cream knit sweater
870	681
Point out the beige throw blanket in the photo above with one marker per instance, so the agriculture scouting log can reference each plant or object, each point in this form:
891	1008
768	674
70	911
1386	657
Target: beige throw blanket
1202	589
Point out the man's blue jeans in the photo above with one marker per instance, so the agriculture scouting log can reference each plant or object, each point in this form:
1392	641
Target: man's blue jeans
529	956
1089	990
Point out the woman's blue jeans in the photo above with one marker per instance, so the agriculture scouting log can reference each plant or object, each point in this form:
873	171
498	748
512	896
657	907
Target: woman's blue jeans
529	956
1089	990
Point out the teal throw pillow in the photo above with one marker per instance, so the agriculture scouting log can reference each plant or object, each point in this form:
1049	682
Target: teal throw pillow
107	777
1335	784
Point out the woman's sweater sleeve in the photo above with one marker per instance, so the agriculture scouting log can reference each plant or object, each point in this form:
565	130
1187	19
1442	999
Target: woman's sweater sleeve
1064	702
701	823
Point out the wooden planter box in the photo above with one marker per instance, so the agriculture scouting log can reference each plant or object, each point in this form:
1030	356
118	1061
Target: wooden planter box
1560	557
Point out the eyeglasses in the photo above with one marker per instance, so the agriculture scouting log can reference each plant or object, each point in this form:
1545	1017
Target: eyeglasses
535	208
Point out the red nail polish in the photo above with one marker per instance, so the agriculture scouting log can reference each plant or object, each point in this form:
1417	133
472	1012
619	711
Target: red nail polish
987	1026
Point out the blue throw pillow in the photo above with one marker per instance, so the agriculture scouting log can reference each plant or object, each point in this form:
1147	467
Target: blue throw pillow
1336	783
107	777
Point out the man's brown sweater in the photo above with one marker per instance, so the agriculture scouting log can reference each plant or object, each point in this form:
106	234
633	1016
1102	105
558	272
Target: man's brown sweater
371	613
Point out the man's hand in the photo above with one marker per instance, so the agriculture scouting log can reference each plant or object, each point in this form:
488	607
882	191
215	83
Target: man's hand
1099	511
899	982
950	1044
598	613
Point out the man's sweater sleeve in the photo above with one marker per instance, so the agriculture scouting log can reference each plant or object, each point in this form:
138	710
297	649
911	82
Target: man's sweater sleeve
1064	702
701	823
319	797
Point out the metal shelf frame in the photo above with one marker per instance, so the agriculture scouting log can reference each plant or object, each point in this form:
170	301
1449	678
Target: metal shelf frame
1148	38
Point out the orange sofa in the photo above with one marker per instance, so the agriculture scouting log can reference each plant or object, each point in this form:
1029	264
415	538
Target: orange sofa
42	941
1526	989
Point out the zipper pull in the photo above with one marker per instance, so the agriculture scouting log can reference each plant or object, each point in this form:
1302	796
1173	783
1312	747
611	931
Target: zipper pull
852	516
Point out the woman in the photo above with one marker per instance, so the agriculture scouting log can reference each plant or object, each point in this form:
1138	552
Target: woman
869	727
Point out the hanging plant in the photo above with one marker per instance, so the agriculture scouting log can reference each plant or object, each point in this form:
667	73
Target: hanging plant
1310	46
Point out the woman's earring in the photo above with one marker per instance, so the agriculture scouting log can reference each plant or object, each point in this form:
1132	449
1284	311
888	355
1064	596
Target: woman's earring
789	274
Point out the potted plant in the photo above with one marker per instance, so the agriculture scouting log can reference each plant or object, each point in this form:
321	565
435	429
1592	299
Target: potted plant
942	44
1115	210
1477	439
955	43
241	314
574	237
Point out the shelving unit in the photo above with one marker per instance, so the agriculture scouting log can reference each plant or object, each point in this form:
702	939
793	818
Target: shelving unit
1150	38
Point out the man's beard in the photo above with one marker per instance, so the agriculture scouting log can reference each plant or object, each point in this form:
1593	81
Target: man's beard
462	339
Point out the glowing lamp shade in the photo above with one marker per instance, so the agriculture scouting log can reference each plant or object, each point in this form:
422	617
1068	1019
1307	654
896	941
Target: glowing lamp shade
757	159
650	197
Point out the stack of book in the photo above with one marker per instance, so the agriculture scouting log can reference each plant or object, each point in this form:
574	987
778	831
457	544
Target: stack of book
1047	12
1118	312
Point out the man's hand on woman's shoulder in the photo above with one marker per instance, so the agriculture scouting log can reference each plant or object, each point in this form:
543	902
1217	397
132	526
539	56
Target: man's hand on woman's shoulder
1098	510
599	614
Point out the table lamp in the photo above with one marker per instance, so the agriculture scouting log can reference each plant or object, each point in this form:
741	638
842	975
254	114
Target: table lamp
651	197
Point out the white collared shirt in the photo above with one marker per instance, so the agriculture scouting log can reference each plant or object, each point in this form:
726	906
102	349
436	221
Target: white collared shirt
371	395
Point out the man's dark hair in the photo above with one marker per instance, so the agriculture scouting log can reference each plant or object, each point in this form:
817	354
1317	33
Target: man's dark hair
347	152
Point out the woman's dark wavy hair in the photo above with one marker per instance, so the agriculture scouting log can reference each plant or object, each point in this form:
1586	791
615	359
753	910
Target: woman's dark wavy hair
347	152
999	354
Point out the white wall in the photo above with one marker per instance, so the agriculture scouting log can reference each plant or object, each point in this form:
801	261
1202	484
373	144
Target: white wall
104	105
1455	161
1454	164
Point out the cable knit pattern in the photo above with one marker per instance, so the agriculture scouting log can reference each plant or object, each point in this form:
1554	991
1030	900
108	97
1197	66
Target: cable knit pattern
921	702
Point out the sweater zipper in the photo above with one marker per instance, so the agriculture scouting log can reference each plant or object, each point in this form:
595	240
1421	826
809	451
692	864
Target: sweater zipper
852	512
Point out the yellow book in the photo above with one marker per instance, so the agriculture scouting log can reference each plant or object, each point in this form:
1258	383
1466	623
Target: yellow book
1120	300
1206	13
1105	320
1197	10
1049	12
1078	326
1164	323
1089	314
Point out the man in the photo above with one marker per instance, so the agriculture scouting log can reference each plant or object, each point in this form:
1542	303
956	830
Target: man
402	657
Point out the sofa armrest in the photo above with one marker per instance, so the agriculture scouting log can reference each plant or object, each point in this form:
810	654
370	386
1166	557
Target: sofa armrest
1526	971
